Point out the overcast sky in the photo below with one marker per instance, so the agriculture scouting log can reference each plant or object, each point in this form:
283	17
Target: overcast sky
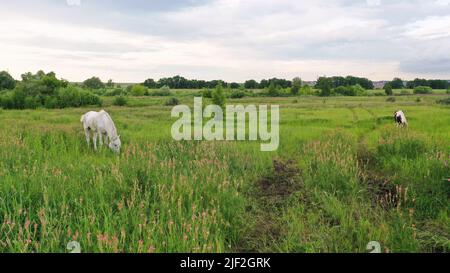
234	40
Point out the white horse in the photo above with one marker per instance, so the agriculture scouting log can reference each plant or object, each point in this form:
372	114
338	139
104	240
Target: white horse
400	119
101	125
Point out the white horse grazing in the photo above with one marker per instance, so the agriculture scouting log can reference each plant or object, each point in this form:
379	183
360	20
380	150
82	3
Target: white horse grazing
101	125
400	119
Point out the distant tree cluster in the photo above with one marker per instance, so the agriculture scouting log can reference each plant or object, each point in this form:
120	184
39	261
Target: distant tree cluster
344	86
179	82
434	84
338	81
398	83
44	90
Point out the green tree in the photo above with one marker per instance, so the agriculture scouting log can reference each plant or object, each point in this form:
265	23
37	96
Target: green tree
6	81
397	83
273	90
388	89
251	84
94	83
150	83
218	96
110	83
325	85
296	86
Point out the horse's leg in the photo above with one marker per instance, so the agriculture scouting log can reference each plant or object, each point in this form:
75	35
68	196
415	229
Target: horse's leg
95	140
88	136
101	139
106	139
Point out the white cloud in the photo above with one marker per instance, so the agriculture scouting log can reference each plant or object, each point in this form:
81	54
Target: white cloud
228	39
435	27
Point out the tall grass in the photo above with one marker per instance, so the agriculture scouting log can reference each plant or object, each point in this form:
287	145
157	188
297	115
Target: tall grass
359	179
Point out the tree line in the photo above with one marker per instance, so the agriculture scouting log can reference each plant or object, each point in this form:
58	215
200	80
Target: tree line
398	83
46	90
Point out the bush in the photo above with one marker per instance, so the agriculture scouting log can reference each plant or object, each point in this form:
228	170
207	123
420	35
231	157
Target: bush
69	97
218	96
75	97
172	102
388	89
273	90
237	94
115	92
7	101
162	92
355	90
423	90
120	101
31	103
138	90
345	91
207	93
88	98
51	102
306	91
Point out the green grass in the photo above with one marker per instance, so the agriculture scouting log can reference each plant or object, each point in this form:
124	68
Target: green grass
354	178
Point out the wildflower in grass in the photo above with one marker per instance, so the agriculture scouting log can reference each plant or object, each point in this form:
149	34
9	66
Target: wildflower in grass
151	249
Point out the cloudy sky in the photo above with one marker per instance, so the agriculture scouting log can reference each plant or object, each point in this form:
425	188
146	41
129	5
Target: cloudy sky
233	40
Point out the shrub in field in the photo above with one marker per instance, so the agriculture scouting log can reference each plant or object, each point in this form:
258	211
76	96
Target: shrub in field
273	90
88	98
355	90
307	91
99	92
237	94
6	101
115	92
388	89
72	96
120	101
218	97
423	90
207	93
172	102
162	92
138	90
69	97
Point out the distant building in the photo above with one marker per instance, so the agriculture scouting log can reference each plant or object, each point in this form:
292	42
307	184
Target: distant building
379	84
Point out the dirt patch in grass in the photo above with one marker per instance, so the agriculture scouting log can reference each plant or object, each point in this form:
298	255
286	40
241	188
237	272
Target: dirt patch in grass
382	190
270	196
285	179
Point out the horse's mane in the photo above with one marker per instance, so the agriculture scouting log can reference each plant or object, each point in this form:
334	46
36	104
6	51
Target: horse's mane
114	130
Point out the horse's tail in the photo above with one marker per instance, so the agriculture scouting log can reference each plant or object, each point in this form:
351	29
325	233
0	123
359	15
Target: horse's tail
82	118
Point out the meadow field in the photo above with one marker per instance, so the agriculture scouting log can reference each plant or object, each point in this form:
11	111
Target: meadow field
343	176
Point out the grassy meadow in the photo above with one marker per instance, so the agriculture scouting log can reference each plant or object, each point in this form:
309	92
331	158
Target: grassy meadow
344	175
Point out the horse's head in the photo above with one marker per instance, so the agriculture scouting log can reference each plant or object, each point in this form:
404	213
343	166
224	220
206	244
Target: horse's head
115	144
